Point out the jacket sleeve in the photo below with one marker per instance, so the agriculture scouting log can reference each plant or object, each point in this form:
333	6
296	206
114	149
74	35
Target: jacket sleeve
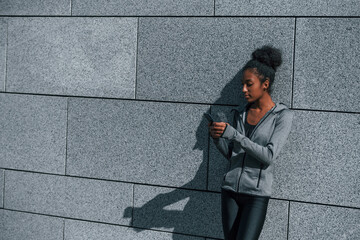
265	154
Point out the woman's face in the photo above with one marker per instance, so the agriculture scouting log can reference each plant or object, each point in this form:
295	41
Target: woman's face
252	87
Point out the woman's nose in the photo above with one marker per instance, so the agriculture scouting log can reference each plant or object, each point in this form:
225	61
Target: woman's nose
244	89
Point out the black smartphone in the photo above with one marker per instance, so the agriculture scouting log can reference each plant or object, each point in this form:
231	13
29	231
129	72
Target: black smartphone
209	118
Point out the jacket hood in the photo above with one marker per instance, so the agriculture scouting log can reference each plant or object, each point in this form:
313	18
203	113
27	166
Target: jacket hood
279	107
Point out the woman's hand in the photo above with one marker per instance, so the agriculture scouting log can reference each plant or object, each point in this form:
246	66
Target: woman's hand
217	129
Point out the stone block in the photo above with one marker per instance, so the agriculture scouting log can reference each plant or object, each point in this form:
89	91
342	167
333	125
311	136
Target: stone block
19	225
286	8
33	132
321	160
79	198
199	59
35	7
313	221
72	56
137	141
327	64
143	7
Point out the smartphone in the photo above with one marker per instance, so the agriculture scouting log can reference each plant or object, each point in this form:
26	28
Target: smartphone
209	118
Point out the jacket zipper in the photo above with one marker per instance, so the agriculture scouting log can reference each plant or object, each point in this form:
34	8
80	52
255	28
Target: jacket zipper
242	169
252	133
261	120
259	176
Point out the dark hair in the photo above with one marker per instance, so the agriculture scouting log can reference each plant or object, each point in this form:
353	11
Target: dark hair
264	63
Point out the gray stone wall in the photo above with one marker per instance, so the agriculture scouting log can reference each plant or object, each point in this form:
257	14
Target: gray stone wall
101	104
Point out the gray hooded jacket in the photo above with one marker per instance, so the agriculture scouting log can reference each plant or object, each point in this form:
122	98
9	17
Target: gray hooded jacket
251	159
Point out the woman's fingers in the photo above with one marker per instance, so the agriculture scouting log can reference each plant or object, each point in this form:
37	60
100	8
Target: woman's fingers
218	126
217	129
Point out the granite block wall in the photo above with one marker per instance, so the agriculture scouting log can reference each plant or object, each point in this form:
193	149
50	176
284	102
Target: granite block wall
101	104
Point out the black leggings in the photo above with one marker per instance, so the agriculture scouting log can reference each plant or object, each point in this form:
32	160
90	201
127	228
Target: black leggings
243	215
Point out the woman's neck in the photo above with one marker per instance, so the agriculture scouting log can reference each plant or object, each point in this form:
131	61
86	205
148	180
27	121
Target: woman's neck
262	104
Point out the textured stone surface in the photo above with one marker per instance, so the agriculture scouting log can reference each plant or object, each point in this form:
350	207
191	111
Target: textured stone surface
178	210
77	230
88	199
143	142
287	8
199	59
143	7
275	225
72	56
35	7
18	226
321	160
33	132
327	63
312	221
2	172
3	42
175	51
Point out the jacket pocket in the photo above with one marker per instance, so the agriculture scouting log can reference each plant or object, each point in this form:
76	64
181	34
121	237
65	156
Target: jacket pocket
258	182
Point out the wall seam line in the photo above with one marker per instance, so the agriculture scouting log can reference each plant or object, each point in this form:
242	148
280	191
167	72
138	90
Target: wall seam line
133	203
6	52
137	54
174	102
293	70
179	16
66	133
63	228
3	202
208	155
214	8
288	221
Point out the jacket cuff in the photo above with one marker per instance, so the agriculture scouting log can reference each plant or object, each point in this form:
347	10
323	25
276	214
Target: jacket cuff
229	132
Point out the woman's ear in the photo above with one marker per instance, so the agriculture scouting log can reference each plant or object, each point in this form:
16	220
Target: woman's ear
266	83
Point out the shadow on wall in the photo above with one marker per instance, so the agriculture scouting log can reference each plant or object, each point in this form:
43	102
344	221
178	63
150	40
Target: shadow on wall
197	216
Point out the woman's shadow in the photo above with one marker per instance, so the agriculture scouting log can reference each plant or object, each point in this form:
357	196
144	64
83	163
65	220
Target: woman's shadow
190	211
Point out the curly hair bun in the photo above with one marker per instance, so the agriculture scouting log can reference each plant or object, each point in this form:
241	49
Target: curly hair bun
268	55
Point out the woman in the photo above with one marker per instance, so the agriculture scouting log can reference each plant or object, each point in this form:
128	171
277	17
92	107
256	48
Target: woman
259	132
